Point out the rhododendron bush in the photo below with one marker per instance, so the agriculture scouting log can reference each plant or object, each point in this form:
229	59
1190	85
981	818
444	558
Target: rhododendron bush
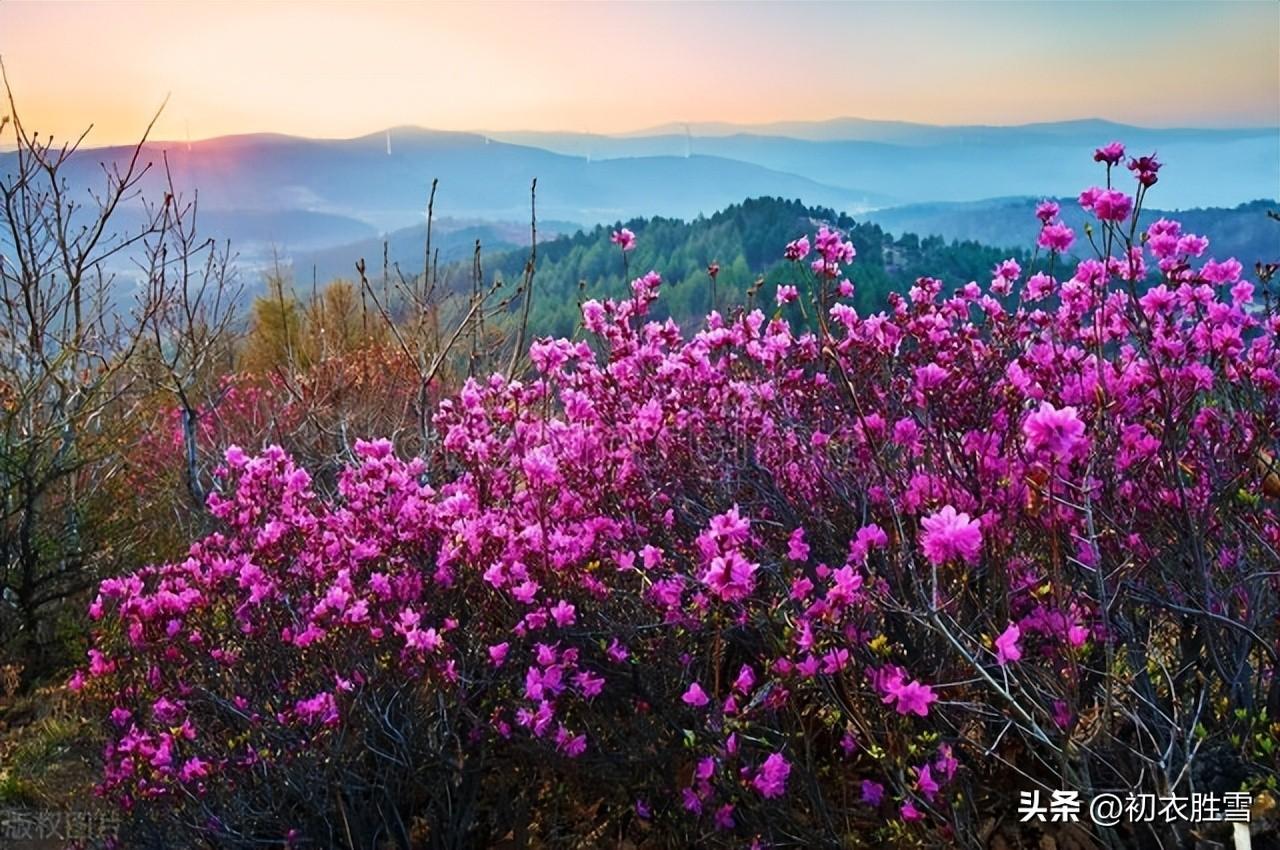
852	582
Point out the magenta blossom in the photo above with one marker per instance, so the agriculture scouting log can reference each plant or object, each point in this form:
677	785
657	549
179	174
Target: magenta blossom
1007	648
797	548
771	779
872	792
797	249
1110	154
925	783
624	239
1039	286
1112	205
695	696
1047	211
948	535
1089	197
1145	168
1056	237
1056	431
731	576
910	698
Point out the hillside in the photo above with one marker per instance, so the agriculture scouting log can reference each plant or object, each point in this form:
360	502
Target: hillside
743	240
956	242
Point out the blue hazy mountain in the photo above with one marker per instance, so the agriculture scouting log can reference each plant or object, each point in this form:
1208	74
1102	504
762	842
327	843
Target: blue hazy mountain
300	198
384	179
915	163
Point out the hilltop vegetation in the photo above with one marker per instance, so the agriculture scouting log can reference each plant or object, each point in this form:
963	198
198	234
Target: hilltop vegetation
882	536
866	578
738	240
954	242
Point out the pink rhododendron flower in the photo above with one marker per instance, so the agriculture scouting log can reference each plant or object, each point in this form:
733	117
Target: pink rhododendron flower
648	504
616	651
833	247
911	698
731	577
695	696
797	548
193	768
771	778
797	249
872	792
948	535
1039	286
1145	168
1110	154
925	783
1056	431
1007	645
322	708
1192	245
1008	270
1056	237
1112	205
787	294
563	613
624	239
589	684
930	376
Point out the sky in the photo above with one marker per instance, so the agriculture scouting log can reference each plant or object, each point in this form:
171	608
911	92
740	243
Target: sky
336	69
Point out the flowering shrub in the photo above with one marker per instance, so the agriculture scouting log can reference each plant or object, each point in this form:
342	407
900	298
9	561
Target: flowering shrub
854	585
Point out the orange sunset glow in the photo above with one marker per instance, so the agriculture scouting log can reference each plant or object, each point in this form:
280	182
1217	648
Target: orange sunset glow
343	69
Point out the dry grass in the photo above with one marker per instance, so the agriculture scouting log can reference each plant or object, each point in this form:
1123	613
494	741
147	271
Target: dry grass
47	755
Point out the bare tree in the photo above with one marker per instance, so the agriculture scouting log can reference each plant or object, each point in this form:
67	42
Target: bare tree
72	324
196	295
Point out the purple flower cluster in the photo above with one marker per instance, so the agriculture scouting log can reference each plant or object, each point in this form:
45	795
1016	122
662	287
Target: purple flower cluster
741	565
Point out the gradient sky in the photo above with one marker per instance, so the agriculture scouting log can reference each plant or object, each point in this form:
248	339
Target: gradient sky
337	69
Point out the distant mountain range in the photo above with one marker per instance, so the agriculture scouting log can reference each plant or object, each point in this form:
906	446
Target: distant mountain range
305	199
384	179
915	163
